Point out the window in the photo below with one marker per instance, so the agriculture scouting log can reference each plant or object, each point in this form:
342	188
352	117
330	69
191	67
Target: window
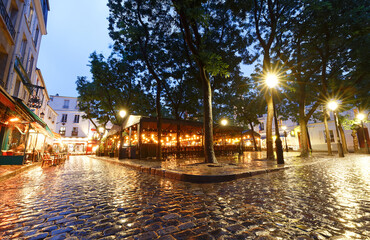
66	104
36	36
23	49
30	15
13	12
3	60
30	66
331	133
77	119
75	131
16	88
62	131
64	118
25	96
262	126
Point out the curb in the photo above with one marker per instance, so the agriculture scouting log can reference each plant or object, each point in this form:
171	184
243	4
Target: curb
190	177
22	169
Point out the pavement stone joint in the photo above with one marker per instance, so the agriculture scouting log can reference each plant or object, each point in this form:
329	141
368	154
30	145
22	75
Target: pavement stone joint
85	198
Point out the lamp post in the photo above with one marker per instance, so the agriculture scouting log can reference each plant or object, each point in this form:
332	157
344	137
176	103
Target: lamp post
224	122
333	105
272	81
361	117
286	143
122	114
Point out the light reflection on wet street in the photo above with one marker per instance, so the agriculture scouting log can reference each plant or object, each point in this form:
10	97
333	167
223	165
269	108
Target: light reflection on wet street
86	198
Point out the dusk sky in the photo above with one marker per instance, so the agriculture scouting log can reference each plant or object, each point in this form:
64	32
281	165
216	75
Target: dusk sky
74	30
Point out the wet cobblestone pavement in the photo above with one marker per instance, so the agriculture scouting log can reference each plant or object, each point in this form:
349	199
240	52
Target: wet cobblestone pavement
86	198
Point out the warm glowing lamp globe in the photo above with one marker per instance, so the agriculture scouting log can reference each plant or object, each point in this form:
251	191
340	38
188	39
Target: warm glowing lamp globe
223	122
332	105
271	80
122	113
360	116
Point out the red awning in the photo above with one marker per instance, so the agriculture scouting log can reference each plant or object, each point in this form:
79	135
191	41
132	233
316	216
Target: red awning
6	100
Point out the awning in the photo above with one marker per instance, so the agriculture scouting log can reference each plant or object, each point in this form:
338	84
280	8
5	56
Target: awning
57	135
34	117
6	99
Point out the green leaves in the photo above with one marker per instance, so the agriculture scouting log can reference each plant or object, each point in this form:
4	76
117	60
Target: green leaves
214	64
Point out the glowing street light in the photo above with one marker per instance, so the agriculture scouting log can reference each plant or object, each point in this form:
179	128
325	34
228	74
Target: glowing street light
272	81
101	129
122	113
333	105
361	117
224	122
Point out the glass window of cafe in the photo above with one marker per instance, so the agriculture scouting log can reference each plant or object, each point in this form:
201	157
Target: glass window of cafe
14	140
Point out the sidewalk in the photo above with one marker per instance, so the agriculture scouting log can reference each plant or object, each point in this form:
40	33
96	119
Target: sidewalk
228	168
7	171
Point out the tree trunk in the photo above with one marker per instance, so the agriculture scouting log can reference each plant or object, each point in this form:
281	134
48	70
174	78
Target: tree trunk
328	140
270	107
159	121
343	137
304	137
270	117
355	140
254	139
209	152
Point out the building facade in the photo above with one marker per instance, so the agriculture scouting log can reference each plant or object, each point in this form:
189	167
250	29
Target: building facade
76	132
22	23
290	133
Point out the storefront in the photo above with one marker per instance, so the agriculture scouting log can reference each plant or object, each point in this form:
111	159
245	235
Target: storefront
180	137
22	133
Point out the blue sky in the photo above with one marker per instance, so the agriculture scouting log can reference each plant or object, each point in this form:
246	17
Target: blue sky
75	29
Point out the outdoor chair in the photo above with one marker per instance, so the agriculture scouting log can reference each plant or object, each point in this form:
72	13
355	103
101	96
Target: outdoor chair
46	159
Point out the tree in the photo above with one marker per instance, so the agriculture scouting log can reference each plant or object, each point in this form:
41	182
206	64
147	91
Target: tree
248	105
211	36
140	29
315	49
265	19
112	89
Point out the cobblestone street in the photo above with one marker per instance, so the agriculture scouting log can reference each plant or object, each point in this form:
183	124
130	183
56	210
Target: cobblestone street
85	198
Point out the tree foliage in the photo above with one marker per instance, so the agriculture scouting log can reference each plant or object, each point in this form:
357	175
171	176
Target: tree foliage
113	88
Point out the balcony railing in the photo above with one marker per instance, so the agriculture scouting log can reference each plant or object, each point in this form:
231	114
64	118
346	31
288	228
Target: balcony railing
22	74
7	20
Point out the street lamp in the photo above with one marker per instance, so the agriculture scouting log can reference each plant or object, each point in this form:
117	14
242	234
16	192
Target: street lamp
286	143
101	130
122	114
224	122
361	117
272	81
333	105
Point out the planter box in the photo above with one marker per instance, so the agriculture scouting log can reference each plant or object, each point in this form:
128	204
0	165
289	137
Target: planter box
11	160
